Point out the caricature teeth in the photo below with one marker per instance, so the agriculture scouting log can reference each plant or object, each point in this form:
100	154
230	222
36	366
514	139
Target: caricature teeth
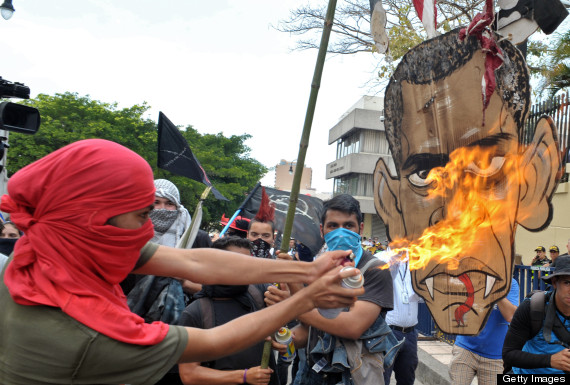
429	284
489	285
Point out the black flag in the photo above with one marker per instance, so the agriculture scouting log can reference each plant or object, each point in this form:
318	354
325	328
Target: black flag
174	155
307	216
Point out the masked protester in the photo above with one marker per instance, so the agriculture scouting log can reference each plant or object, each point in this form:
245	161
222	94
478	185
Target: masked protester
84	211
261	230
169	217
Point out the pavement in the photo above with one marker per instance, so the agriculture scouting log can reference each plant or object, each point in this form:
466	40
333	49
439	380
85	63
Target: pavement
434	357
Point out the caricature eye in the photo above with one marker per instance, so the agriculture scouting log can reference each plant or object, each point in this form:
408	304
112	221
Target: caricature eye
496	163
418	179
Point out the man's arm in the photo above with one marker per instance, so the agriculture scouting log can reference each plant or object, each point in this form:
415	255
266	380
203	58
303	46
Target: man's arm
300	335
507	309
508	305
213	266
209	344
350	325
194	374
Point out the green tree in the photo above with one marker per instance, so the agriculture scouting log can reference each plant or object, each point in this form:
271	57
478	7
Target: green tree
550	62
68	117
351	28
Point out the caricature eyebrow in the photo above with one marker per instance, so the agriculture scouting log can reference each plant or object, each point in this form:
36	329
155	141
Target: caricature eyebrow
492	140
425	161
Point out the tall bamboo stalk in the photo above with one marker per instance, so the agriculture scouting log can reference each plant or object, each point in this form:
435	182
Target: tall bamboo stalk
304	144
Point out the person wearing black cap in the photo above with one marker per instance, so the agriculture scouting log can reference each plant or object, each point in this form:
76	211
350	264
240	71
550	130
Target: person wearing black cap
554	253
540	258
530	350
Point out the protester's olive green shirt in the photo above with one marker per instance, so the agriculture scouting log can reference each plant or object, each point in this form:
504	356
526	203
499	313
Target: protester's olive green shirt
43	345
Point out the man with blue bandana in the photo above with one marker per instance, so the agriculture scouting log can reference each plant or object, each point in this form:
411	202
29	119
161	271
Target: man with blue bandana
341	226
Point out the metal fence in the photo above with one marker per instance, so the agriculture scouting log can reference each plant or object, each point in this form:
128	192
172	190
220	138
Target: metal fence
558	109
528	278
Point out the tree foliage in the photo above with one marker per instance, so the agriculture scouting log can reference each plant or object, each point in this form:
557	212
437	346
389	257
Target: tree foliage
550	61
351	28
68	117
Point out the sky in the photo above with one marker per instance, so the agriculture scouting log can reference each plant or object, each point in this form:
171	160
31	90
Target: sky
219	66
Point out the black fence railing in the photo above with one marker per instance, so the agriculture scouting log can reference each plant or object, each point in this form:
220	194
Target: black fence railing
528	278
558	109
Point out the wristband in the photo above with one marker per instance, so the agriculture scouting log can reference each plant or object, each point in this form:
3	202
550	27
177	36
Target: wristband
244	376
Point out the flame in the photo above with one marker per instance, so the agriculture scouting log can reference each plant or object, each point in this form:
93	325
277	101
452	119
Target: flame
473	187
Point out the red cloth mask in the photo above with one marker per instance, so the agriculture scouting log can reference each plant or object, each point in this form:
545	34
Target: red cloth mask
69	257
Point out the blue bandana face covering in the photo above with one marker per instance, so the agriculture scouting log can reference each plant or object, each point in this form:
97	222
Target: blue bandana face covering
343	239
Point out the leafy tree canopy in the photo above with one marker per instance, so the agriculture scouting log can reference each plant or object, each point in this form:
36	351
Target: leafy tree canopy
351	28
550	62
68	117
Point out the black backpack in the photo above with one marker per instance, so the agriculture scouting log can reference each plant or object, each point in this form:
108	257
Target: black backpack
207	308
538	315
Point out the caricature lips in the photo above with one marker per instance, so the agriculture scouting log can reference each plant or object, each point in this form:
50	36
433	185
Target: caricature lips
482	276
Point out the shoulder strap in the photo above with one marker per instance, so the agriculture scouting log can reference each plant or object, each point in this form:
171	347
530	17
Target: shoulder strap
257	295
537	311
206	312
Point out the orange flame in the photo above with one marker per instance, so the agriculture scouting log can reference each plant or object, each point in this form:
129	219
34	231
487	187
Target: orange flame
473	188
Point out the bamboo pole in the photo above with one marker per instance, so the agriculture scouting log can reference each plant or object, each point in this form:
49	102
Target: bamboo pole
304	144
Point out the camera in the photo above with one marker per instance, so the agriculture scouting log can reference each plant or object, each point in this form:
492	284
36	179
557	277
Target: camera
17	117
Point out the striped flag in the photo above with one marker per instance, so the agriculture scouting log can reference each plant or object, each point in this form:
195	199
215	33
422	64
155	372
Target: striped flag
428	15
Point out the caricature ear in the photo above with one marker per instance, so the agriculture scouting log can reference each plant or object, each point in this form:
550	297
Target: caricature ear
386	200
541	175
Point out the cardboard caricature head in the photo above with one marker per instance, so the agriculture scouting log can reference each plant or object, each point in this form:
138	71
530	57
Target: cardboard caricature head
433	112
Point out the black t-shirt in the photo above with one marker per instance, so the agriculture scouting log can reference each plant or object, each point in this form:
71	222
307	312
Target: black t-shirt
226	310
378	290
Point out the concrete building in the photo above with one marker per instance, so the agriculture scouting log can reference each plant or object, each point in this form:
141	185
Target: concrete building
284	173
360	140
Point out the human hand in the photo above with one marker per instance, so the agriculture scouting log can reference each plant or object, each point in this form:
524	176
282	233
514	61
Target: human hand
284	256
275	295
326	292
327	261
256	375
561	360
282	349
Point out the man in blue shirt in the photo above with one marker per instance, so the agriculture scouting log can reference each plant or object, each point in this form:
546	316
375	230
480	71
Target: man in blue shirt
481	354
546	351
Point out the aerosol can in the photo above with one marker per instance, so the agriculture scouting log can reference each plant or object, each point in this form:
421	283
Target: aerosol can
283	336
353	282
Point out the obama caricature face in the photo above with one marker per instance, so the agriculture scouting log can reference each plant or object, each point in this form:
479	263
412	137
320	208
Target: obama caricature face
434	110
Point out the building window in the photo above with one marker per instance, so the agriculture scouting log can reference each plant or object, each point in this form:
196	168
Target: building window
354	184
348	145
374	142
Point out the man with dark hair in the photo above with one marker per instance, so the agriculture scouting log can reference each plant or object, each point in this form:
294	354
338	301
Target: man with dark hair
538	338
221	304
435	111
341	226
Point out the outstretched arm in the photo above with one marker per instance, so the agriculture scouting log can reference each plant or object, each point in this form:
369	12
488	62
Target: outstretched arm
194	374
208	344
213	266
